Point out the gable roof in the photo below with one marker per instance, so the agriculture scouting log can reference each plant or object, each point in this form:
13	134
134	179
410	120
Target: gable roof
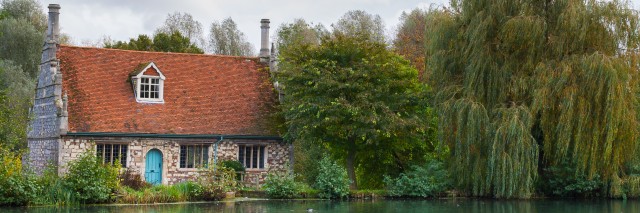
203	94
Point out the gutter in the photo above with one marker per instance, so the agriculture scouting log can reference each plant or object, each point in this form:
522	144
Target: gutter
183	136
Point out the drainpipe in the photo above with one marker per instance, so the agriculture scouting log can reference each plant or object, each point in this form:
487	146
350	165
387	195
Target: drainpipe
215	152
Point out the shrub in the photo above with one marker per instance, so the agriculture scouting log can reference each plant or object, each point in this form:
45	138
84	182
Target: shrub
53	190
216	181
90	180
562	181
16	187
421	181
332	180
282	185
131	179
190	189
233	164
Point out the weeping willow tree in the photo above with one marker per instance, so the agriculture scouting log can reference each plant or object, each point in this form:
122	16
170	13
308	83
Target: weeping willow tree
524	83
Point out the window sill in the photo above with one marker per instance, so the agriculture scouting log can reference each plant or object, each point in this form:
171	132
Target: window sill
188	169
146	101
256	170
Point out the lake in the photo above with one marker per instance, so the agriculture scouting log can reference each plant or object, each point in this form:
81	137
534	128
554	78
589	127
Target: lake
364	206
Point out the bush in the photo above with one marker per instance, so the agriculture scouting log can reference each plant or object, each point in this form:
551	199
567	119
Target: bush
233	164
422	181
90	180
332	180
216	181
282	185
131	179
17	188
562	181
53	190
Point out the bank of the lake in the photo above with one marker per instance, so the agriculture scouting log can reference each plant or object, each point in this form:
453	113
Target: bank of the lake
368	206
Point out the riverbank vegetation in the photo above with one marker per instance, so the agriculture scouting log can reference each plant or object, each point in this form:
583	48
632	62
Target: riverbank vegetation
483	98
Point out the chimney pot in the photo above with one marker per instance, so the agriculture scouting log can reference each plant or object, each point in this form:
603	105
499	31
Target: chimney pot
264	38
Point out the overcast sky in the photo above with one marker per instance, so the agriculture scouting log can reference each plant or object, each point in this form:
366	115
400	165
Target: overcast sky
90	20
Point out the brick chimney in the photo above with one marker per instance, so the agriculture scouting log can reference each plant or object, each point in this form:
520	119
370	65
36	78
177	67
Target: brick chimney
264	40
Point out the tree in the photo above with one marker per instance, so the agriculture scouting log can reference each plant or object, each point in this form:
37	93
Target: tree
22	26
358	23
226	39
298	33
29	10
16	90
528	83
352	95
186	25
161	42
409	40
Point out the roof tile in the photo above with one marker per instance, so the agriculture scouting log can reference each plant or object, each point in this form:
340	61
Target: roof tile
203	94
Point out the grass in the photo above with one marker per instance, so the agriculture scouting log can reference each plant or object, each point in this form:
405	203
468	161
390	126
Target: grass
186	191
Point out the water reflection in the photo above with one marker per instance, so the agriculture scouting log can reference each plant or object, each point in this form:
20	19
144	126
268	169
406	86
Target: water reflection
437	205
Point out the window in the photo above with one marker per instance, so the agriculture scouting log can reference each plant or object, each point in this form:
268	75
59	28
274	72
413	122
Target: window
112	153
148	84
194	156
149	88
252	156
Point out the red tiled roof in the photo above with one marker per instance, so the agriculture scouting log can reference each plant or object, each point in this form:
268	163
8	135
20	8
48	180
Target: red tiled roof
203	94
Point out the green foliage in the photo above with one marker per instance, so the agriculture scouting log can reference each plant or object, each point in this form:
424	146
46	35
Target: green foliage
429	180
185	24
358	23
355	97
282	185
181	192
161	42
297	34
90	180
216	181
233	164
53	191
332	179
16	91
16	186
518	77
29	10
22	43
561	181
306	155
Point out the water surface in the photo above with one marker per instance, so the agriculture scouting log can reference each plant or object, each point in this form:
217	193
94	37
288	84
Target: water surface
366	206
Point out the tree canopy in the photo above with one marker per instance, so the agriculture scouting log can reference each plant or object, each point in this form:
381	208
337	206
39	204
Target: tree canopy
358	23
524	84
186	25
226	39
161	42
409	40
357	98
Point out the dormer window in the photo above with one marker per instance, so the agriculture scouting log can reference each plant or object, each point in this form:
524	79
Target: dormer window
148	83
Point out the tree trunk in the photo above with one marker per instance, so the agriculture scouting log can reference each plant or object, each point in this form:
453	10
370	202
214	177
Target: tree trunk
351	158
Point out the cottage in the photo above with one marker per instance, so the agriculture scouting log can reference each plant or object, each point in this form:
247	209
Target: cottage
162	115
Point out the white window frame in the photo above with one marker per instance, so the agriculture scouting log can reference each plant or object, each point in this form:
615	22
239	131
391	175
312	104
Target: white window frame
136	79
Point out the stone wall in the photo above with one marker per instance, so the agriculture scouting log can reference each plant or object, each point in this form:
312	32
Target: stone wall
42	153
277	155
49	115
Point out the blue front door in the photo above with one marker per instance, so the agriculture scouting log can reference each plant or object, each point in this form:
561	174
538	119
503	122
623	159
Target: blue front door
153	168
